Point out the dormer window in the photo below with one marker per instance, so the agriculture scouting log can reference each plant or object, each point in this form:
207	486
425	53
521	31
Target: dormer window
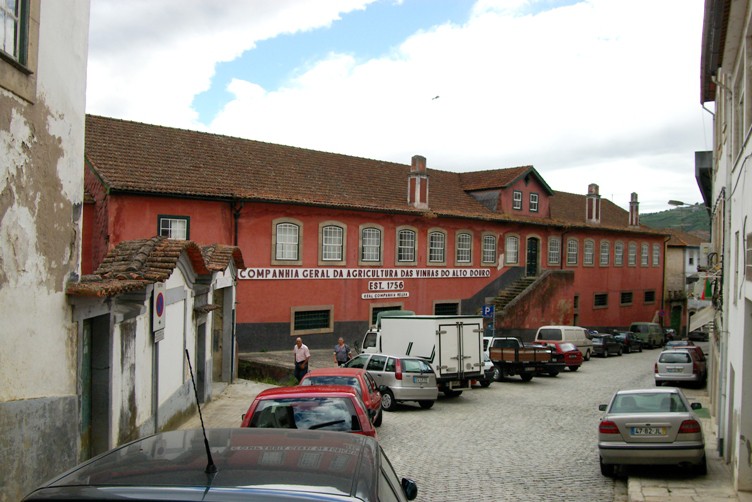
517	200
533	202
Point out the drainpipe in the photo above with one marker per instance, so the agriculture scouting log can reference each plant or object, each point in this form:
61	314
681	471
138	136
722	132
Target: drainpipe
562	249
236	210
663	289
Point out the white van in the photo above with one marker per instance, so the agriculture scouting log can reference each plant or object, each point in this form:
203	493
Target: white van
573	334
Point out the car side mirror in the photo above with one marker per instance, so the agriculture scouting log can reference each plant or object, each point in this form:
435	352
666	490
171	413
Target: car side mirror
696	406
602	407
410	488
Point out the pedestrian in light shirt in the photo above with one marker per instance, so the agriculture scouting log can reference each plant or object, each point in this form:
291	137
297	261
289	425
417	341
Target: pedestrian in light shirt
302	355
341	352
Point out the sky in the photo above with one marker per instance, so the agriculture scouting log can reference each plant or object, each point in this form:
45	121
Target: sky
585	91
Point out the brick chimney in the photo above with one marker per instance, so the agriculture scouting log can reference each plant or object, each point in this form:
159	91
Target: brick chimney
634	211
417	183
592	204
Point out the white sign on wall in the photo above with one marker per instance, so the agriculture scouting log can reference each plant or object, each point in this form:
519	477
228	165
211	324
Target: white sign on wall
291	273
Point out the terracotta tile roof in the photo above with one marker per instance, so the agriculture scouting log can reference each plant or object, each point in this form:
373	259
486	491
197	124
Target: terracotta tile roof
149	159
680	238
132	265
570	207
218	256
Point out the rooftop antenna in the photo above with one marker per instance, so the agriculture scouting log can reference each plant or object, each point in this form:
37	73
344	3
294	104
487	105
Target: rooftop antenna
210	467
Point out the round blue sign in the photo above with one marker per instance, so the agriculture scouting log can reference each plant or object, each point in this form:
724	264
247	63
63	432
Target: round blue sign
160	304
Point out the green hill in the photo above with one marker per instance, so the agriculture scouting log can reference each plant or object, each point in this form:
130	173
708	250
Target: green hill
693	219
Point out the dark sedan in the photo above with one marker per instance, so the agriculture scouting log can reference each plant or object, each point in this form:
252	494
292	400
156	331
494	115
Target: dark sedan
606	345
629	341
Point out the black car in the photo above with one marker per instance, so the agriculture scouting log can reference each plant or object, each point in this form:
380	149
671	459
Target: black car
698	336
629	341
606	345
246	464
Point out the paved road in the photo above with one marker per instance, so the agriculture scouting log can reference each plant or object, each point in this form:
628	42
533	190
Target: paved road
515	441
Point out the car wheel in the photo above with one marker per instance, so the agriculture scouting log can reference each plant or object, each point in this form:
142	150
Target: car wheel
425	404
573	368
701	469
607	469
485	383
387	401
619	353
379	418
640	348
605	353
526	377
498	375
587	355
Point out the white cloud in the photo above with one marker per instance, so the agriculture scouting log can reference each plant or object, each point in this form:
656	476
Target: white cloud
603	91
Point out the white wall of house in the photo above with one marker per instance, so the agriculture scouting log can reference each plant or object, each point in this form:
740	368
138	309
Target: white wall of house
41	154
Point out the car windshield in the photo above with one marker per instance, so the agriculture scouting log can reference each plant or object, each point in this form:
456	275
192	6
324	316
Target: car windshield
332	380
357	362
675	358
648	402
326	413
567	347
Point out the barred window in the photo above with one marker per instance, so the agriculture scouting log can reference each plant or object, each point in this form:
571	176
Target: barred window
619	253
371	244
554	250
572	251
318	320
600	300
512	249
174	227
446	308
516	199
632	254
436	247
626	298
489	249
644	254
332	243
588	253
656	255
605	253
287	241
464	248
649	296
406	246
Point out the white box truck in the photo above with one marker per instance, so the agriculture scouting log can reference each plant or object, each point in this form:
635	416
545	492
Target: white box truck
453	344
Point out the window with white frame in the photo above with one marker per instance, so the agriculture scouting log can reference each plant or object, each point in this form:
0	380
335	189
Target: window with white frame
588	252
516	199
632	254
287	240
489	249
605	253
370	244
332	243
512	249
619	253
464	247
644	254
19	41
533	202
174	227
554	250
436	247
573	249
656	255
406	246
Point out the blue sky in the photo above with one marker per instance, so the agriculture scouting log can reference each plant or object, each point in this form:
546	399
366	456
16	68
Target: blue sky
586	91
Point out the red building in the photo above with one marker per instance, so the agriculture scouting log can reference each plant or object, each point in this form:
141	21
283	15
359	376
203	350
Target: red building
330	240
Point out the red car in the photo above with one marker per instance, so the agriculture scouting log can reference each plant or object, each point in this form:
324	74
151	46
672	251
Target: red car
354	377
315	407
572	355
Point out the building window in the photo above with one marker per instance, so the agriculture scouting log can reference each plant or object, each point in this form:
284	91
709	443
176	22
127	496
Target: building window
516	199
370	245
312	320
619	253
533	202
375	311
287	240
656	255
588	253
446	308
572	251
464	248
19	34
406	246
626	298
554	250
332	243
605	253
632	254
600	300
489	249
436	247
576	302
512	249
649	296
174	227
644	254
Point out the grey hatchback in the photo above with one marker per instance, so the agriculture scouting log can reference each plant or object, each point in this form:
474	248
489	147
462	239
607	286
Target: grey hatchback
245	464
400	378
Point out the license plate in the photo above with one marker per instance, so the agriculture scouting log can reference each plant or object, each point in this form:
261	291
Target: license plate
420	379
648	431
675	370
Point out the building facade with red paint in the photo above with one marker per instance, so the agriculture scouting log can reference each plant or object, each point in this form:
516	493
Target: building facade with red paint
330	240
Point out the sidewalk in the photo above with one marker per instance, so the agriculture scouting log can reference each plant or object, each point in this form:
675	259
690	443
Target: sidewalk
231	401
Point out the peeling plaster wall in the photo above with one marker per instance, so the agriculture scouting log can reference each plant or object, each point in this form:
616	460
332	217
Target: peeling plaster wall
41	199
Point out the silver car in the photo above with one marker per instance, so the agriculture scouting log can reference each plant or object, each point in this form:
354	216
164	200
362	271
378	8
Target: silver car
676	366
650	427
400	378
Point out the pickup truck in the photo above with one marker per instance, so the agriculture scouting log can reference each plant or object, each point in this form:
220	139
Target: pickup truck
511	357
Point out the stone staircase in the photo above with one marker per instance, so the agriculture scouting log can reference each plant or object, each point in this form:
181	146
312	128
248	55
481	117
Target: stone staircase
511	292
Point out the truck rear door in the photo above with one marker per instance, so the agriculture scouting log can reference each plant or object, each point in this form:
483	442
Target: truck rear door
460	346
